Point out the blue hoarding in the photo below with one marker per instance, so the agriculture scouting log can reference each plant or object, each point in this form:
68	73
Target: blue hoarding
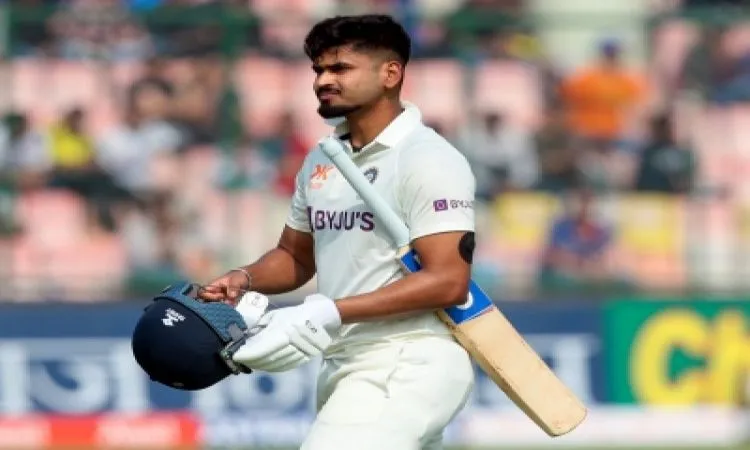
77	359
567	336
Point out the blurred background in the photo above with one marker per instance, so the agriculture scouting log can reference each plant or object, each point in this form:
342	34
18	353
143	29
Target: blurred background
146	141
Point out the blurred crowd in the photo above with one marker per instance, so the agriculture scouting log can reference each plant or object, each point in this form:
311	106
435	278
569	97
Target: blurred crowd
605	126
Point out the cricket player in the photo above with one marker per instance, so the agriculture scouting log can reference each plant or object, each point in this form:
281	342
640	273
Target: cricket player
392	375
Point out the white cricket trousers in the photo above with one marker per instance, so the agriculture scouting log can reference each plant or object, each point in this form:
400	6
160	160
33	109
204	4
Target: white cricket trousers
398	396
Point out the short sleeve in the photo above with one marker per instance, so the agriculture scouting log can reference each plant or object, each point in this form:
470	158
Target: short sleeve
299	218
436	192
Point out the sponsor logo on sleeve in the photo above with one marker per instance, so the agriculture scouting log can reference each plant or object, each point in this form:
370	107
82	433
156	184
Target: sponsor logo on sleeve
440	205
319	175
462	204
445	204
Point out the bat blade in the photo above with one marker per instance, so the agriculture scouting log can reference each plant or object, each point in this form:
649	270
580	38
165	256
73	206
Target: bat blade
506	357
517	369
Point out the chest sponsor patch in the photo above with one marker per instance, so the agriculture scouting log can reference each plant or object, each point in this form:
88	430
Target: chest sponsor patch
325	219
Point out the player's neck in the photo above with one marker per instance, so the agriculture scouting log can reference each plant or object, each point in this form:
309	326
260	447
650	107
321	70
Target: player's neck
366	125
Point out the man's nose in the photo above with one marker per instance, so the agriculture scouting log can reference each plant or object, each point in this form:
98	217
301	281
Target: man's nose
324	81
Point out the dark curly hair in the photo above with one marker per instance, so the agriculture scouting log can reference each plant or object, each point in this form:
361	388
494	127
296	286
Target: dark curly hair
364	33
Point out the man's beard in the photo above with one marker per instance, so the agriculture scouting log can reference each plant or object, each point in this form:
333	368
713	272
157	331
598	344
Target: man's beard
333	111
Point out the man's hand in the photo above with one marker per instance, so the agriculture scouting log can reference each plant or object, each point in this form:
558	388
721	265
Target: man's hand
292	336
228	288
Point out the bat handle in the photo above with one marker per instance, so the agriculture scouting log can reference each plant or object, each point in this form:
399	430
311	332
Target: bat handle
384	213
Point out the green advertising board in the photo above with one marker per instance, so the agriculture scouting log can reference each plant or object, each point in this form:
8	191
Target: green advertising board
677	352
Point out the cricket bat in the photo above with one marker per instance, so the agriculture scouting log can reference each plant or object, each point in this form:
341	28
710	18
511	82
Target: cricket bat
479	326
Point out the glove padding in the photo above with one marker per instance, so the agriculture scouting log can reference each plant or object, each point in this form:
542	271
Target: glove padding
252	307
292	336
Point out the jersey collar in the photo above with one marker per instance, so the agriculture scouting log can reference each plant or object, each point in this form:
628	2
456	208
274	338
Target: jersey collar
399	128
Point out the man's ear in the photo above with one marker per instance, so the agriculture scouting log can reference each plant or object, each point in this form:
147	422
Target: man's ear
393	74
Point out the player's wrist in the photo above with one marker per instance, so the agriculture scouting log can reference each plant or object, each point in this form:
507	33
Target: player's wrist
246	280
324	311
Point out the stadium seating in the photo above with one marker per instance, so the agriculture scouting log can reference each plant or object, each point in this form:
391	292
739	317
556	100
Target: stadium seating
59	252
655	240
52	218
84	270
261	84
512	88
436	86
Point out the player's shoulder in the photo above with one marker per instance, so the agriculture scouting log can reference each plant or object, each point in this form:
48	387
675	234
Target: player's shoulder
315	157
314	154
426	146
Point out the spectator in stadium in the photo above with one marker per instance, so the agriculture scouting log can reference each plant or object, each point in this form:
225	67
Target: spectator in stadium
154	73
130	41
128	151
144	141
74	166
707	66
196	96
665	165
601	100
713	68
734	87
288	148
501	154
577	254
84	29
248	167
197	36
24	160
70	147
558	155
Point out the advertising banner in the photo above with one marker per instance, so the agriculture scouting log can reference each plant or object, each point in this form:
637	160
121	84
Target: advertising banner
612	427
567	336
76	361
677	352
152	430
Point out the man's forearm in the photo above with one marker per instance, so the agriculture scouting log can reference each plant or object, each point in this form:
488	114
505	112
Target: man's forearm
277	272
417	292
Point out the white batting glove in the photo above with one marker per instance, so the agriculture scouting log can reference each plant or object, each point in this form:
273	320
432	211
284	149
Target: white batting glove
292	336
252	307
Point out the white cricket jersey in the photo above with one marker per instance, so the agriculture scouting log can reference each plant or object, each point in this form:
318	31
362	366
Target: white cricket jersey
426	181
